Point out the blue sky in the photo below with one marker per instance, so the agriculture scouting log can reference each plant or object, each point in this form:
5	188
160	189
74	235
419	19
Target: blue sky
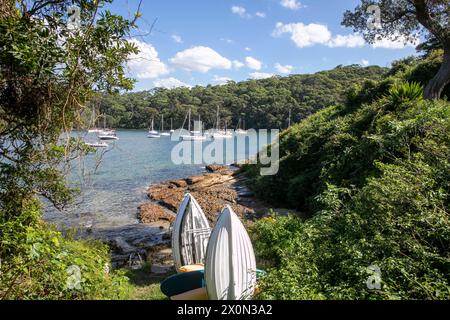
202	42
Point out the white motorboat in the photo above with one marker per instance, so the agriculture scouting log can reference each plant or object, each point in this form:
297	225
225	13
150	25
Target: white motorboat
190	234
97	144
108	136
230	267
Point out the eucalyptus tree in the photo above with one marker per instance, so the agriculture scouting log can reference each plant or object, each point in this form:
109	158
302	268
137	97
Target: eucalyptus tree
55	55
407	20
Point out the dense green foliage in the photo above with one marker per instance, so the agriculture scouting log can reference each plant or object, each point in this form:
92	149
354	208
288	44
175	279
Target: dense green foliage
259	103
373	175
49	69
407	21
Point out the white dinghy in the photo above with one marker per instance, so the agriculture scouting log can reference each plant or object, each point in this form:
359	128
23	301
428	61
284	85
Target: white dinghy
190	234
230	268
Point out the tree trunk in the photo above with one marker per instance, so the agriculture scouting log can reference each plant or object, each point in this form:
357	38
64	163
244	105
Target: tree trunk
436	85
6	8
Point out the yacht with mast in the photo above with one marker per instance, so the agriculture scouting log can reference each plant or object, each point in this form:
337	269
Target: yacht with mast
171	126
105	133
217	133
163	134
152	133
239	129
193	135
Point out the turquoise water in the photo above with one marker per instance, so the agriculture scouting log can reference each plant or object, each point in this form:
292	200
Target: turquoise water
113	181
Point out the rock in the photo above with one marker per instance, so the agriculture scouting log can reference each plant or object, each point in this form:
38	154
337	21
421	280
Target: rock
150	212
179	183
214	190
158	269
216	168
170	198
131	242
194	179
246	194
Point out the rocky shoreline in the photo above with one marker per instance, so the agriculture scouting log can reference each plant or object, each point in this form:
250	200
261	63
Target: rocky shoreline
219	186
149	241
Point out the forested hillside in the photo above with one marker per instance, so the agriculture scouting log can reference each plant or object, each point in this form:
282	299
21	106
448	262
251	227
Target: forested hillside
259	103
371	177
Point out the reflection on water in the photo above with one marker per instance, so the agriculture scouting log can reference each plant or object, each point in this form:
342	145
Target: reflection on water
110	194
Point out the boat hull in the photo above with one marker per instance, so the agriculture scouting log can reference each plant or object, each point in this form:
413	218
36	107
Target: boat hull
108	138
230	267
190	234
182	282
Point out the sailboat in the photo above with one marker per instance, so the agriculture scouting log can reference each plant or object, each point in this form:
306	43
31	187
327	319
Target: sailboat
107	134
153	133
94	129
163	134
193	135
240	130
220	134
171	126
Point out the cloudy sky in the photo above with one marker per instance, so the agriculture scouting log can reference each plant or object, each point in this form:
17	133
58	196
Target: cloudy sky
200	42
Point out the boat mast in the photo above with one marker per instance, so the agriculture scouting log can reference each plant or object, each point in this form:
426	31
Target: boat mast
162	122
218	119
189	121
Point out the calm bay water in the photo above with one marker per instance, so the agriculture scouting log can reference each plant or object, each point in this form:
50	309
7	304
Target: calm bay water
113	181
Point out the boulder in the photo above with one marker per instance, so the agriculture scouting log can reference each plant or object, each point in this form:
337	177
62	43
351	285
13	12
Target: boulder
150	212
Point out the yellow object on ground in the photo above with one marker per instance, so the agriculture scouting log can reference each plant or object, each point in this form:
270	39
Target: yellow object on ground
192	267
196	294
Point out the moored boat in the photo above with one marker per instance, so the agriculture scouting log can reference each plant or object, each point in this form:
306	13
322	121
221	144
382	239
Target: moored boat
190	233
230	267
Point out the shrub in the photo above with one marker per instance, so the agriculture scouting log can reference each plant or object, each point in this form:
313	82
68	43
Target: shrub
39	263
375	180
405	92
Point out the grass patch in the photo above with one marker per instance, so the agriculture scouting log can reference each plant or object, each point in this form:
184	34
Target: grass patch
145	285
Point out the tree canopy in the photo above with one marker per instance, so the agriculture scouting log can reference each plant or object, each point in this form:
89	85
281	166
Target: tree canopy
51	63
407	20
256	103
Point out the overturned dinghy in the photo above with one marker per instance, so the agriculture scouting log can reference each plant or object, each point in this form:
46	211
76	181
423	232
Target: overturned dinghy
230	268
190	234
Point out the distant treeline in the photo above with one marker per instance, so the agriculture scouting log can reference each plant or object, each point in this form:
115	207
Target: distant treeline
257	103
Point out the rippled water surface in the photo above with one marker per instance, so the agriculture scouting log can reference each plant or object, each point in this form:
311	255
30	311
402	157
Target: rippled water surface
113	181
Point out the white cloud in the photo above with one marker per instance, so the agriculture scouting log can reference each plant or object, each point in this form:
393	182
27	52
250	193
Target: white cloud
283	68
260	14
304	35
169	83
177	38
229	41
240	11
146	64
312	34
221	80
248	49
349	41
364	62
291	4
237	64
398	43
260	75
253	63
201	59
